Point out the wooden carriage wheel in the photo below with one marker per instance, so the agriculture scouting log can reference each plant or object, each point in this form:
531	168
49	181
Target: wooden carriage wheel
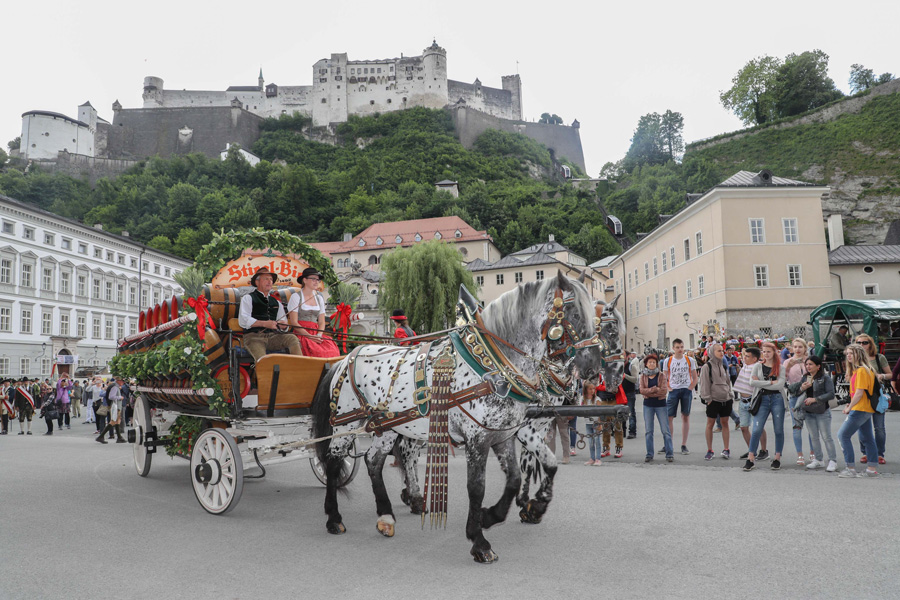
142	424
351	466
217	473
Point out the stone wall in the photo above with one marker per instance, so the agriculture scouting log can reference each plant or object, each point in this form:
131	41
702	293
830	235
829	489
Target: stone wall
780	321
563	141
80	166
498	103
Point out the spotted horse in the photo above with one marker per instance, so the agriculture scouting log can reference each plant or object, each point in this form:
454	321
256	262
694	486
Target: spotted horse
471	387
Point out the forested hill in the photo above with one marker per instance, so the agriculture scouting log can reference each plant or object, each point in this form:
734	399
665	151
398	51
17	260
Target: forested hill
384	169
857	154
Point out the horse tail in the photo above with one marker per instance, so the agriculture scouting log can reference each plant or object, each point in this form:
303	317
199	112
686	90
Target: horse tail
321	410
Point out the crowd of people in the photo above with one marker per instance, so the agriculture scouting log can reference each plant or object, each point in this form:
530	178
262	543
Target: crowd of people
751	386
108	404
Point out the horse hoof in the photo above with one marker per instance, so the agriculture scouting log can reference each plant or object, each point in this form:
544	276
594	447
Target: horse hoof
385	526
336	528
405	497
484	557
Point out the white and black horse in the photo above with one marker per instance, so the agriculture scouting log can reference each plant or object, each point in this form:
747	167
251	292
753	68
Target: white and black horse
383	377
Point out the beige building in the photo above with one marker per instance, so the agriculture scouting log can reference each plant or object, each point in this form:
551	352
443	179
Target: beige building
534	263
749	256
864	272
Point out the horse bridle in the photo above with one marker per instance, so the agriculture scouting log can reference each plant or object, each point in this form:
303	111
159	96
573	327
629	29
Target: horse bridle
558	328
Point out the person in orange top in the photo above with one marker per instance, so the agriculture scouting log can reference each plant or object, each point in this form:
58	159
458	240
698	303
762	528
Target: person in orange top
859	412
403	329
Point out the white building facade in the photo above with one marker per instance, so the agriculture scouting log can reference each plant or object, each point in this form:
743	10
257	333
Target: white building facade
69	291
45	133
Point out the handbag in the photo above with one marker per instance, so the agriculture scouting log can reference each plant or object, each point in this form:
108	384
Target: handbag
102	411
755	402
51	413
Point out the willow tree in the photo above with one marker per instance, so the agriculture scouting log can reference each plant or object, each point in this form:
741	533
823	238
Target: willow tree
424	281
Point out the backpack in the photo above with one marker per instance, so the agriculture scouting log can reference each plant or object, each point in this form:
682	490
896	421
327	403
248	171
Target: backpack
878	399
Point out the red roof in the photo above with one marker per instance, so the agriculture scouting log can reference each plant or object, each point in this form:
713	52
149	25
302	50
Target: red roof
406	230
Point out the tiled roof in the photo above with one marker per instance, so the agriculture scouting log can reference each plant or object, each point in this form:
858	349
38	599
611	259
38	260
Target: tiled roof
327	248
407	230
243	88
604	262
748	179
858	255
511	262
545	247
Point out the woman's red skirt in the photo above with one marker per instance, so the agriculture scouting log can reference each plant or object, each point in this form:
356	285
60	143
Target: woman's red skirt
324	349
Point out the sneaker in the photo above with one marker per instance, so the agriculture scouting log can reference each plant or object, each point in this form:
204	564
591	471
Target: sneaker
717	430
605	453
814	464
832	466
23	433
630	436
749	465
670	459
68	427
745	455
800	461
648	458
870	473
572	452
864	459
589	463
881	460
709	455
684	450
661	450
726	454
618	453
28	433
776	464
763	455
848	472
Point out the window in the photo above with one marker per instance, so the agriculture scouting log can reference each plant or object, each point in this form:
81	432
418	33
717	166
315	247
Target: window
646	271
611	275
672	256
687	250
499	278
373	260
96	290
47	279
132	327
538	275
700	286
27	271
65	282
665	297
790	231
25	365
457	234
674	294
398	239
437	235
81	286
156	269
121	259
26	320
655	267
120	329
479	279
699	238
665	264
418	238
689	288
132	294
761	273
757	231
5	318
64	324
156	297
5	271
168	272
109	328
144	297
635	277
28	233
656	300
794	279
629	281
82	248
518	277
8	228
95	329
120	293
868	269
133	263
870	289
4	363
45	366
49	239
637	308
80	326
47	323
98	253
648	303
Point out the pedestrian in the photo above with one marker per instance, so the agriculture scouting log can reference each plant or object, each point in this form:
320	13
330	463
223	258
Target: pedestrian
589	398
816	390
24	404
50	411
767	378
879	364
101	410
113	396
794	370
88	402
7	409
64	400
654	390
76	395
715	393
630	382
743	392
859	411
681	377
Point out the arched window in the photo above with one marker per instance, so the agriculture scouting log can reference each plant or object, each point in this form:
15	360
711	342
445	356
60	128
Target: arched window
463	251
373	260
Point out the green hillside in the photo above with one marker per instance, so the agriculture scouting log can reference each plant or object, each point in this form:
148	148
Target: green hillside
383	169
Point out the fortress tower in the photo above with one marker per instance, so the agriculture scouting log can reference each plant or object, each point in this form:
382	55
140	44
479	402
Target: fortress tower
434	64
513	84
153	92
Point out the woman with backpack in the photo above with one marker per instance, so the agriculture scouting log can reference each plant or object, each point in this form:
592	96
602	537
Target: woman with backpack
879	364
859	412
816	390
715	393
770	398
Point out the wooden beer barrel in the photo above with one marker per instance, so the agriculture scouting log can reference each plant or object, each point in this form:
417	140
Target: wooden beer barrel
214	349
164	312
284	295
224	304
175	305
141	324
150	321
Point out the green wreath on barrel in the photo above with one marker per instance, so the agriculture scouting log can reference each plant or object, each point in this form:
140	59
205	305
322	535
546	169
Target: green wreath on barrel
187	353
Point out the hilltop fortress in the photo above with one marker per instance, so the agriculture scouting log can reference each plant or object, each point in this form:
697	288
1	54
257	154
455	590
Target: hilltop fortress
184	121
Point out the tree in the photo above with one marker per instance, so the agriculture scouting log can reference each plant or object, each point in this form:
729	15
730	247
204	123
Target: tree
884	78
671	127
750	96
861	78
424	281
553	119
656	140
161	242
15	143
593	242
802	83
3	158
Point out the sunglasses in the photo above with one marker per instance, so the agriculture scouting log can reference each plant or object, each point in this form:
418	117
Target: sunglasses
863	342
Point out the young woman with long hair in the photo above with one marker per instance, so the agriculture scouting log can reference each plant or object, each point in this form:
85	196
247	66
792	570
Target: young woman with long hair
859	411
768	379
794	371
882	369
816	390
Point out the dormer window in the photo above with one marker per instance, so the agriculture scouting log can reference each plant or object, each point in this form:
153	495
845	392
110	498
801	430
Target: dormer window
378	241
362	242
457	234
398	239
418	238
437	235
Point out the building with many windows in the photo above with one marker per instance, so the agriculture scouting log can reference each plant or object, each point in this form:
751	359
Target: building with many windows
69	291
749	255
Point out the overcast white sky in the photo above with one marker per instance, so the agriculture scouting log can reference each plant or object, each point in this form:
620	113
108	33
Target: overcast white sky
604	63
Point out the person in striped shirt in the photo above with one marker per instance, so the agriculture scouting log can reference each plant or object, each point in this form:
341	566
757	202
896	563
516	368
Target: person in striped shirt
744	392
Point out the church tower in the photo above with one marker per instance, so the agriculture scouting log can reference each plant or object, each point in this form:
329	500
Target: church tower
262	82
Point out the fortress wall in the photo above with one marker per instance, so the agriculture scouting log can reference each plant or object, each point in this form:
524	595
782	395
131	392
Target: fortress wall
492	101
91	168
564	141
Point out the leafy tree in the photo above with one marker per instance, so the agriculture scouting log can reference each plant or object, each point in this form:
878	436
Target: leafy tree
593	242
802	83
861	78
553	119
424	281
244	216
671	126
192	281
346	293
750	95
15	143
656	140
161	242
884	78
3	158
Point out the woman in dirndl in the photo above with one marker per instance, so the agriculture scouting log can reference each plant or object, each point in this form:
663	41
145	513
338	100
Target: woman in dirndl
306	314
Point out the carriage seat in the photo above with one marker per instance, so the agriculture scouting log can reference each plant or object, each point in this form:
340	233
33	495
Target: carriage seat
287	383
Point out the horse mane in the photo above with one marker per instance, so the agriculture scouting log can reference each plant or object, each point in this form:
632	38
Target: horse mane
611	307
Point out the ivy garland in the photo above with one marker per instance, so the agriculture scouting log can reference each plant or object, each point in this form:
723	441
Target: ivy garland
184	357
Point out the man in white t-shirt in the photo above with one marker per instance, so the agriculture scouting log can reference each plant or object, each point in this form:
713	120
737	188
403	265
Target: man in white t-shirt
681	373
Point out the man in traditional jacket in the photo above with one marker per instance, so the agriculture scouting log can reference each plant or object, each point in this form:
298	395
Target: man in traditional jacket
25	404
7	409
262	316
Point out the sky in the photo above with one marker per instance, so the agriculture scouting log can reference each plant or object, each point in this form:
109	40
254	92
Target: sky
603	63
